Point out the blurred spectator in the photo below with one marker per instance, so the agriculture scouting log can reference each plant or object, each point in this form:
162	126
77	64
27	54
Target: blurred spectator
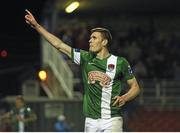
133	52
61	125
140	70
82	40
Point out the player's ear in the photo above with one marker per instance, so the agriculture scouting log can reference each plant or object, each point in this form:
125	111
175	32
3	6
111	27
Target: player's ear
105	42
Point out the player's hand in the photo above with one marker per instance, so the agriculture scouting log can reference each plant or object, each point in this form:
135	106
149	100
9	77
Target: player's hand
19	118
119	101
29	18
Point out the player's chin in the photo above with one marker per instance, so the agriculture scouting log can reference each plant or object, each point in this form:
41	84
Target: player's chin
91	50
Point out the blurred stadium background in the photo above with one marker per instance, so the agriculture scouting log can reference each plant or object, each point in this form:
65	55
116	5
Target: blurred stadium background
146	32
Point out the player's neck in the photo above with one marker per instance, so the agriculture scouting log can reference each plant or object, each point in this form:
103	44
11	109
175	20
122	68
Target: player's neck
103	54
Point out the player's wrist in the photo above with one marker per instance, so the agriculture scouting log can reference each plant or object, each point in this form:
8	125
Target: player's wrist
37	26
125	97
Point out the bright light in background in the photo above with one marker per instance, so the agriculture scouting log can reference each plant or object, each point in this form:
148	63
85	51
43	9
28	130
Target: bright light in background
42	75
73	6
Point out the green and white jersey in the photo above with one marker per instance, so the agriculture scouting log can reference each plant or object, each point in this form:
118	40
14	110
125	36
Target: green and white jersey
24	112
102	81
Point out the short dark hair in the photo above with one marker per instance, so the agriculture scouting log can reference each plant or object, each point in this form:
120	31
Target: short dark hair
20	98
105	32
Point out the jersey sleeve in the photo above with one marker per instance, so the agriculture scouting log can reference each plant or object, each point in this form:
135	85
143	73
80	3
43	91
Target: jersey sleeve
79	56
75	54
127	70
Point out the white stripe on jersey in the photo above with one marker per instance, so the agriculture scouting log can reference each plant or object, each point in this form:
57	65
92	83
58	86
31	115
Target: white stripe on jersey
106	91
76	56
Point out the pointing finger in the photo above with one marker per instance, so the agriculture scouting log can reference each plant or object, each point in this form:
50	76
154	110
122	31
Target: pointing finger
27	22
115	97
28	12
115	102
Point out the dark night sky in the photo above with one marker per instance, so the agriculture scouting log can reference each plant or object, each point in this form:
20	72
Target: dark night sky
21	43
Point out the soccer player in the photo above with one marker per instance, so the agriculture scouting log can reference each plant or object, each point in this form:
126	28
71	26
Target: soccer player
20	116
103	74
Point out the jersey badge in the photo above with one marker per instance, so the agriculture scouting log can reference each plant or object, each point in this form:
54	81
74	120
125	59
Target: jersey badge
111	67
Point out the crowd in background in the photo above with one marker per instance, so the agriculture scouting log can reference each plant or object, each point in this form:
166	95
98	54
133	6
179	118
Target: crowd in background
152	50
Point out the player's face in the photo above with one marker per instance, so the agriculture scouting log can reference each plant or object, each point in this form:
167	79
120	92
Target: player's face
96	42
19	103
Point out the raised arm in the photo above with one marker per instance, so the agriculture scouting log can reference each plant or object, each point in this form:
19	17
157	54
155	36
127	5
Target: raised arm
52	39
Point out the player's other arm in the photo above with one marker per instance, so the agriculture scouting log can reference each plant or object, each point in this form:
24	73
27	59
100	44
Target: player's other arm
131	94
133	91
52	39
32	117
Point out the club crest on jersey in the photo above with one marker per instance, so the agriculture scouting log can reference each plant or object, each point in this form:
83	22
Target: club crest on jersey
111	67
